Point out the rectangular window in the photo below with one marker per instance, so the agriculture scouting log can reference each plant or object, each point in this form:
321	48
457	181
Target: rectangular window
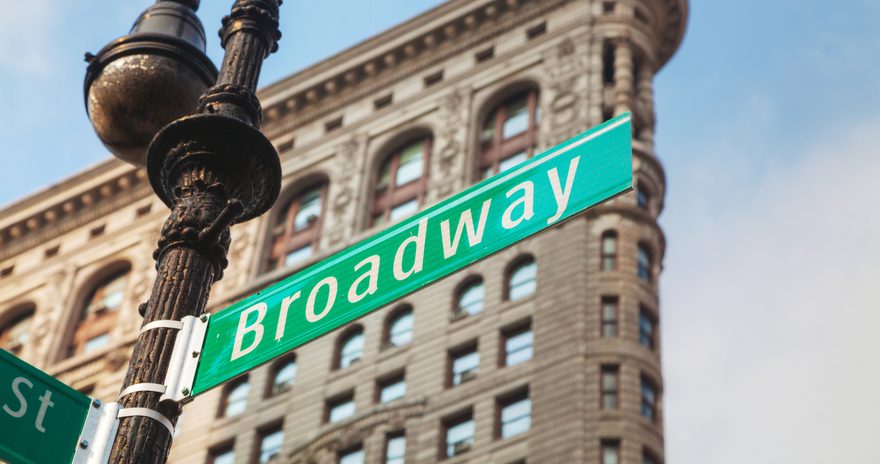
484	55
340	408
404	210
515	415
463	365
96	343
648	457
382	102
649	400
270	444
333	124
646	328
222	455
352	456
518	345
395	448
391	389
297	256
610	386
536	31
433	78
610	309
610	452
459	436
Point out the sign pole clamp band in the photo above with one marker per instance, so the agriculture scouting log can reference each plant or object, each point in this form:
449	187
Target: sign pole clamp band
146	412
98	435
143	387
185	358
162	324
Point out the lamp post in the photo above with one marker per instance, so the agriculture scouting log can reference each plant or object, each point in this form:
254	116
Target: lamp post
212	167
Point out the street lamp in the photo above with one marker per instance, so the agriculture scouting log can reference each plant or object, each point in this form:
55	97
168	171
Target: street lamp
212	167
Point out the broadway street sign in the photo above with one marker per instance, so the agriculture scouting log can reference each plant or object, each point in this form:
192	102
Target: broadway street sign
480	221
40	417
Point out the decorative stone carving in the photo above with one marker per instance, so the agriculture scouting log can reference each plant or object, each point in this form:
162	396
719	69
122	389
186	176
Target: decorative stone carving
447	167
345	177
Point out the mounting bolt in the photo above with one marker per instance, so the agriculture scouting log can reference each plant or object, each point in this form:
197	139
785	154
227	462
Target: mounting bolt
96	403
185	392
195	354
83	444
203	318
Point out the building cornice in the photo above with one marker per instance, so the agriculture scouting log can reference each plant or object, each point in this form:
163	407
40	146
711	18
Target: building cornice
376	63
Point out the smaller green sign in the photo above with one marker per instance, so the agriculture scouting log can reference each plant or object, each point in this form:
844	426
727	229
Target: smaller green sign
41	418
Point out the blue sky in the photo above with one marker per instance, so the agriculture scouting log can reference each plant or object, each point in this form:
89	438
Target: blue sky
768	128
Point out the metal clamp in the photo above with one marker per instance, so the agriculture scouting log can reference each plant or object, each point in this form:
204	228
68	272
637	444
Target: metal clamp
99	433
145	412
185	358
143	387
162	324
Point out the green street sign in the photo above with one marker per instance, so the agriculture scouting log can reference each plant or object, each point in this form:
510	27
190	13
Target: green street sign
482	220
41	418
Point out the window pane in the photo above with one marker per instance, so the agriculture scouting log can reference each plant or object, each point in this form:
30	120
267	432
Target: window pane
522	280
16	334
512	161
411	164
518	348
384	175
309	209
459	438
395	450
96	343
404	210
517	120
649	400
393	391
236	400
284	377
298	255
609	317
226	457
108	295
270	446
401	329
646	330
642	199
341	411
352	350
354	457
610	454
516	418
464	367
644	264
471	299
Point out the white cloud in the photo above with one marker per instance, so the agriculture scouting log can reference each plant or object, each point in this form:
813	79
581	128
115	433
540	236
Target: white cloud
771	319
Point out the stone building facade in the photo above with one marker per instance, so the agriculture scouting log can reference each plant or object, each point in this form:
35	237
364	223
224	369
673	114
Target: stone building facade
547	352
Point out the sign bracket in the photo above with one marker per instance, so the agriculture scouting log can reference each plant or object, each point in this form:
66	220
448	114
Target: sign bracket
185	358
98	434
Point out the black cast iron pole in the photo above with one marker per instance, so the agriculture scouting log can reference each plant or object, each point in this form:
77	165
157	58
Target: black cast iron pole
213	169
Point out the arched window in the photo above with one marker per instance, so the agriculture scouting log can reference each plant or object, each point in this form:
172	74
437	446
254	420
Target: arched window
298	228
401	182
643	261
510	133
234	399
97	314
609	251
400	327
283	376
15	333
470	298
522	280
351	348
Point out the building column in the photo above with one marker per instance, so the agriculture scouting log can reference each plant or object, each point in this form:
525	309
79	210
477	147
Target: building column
645	92
623	75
